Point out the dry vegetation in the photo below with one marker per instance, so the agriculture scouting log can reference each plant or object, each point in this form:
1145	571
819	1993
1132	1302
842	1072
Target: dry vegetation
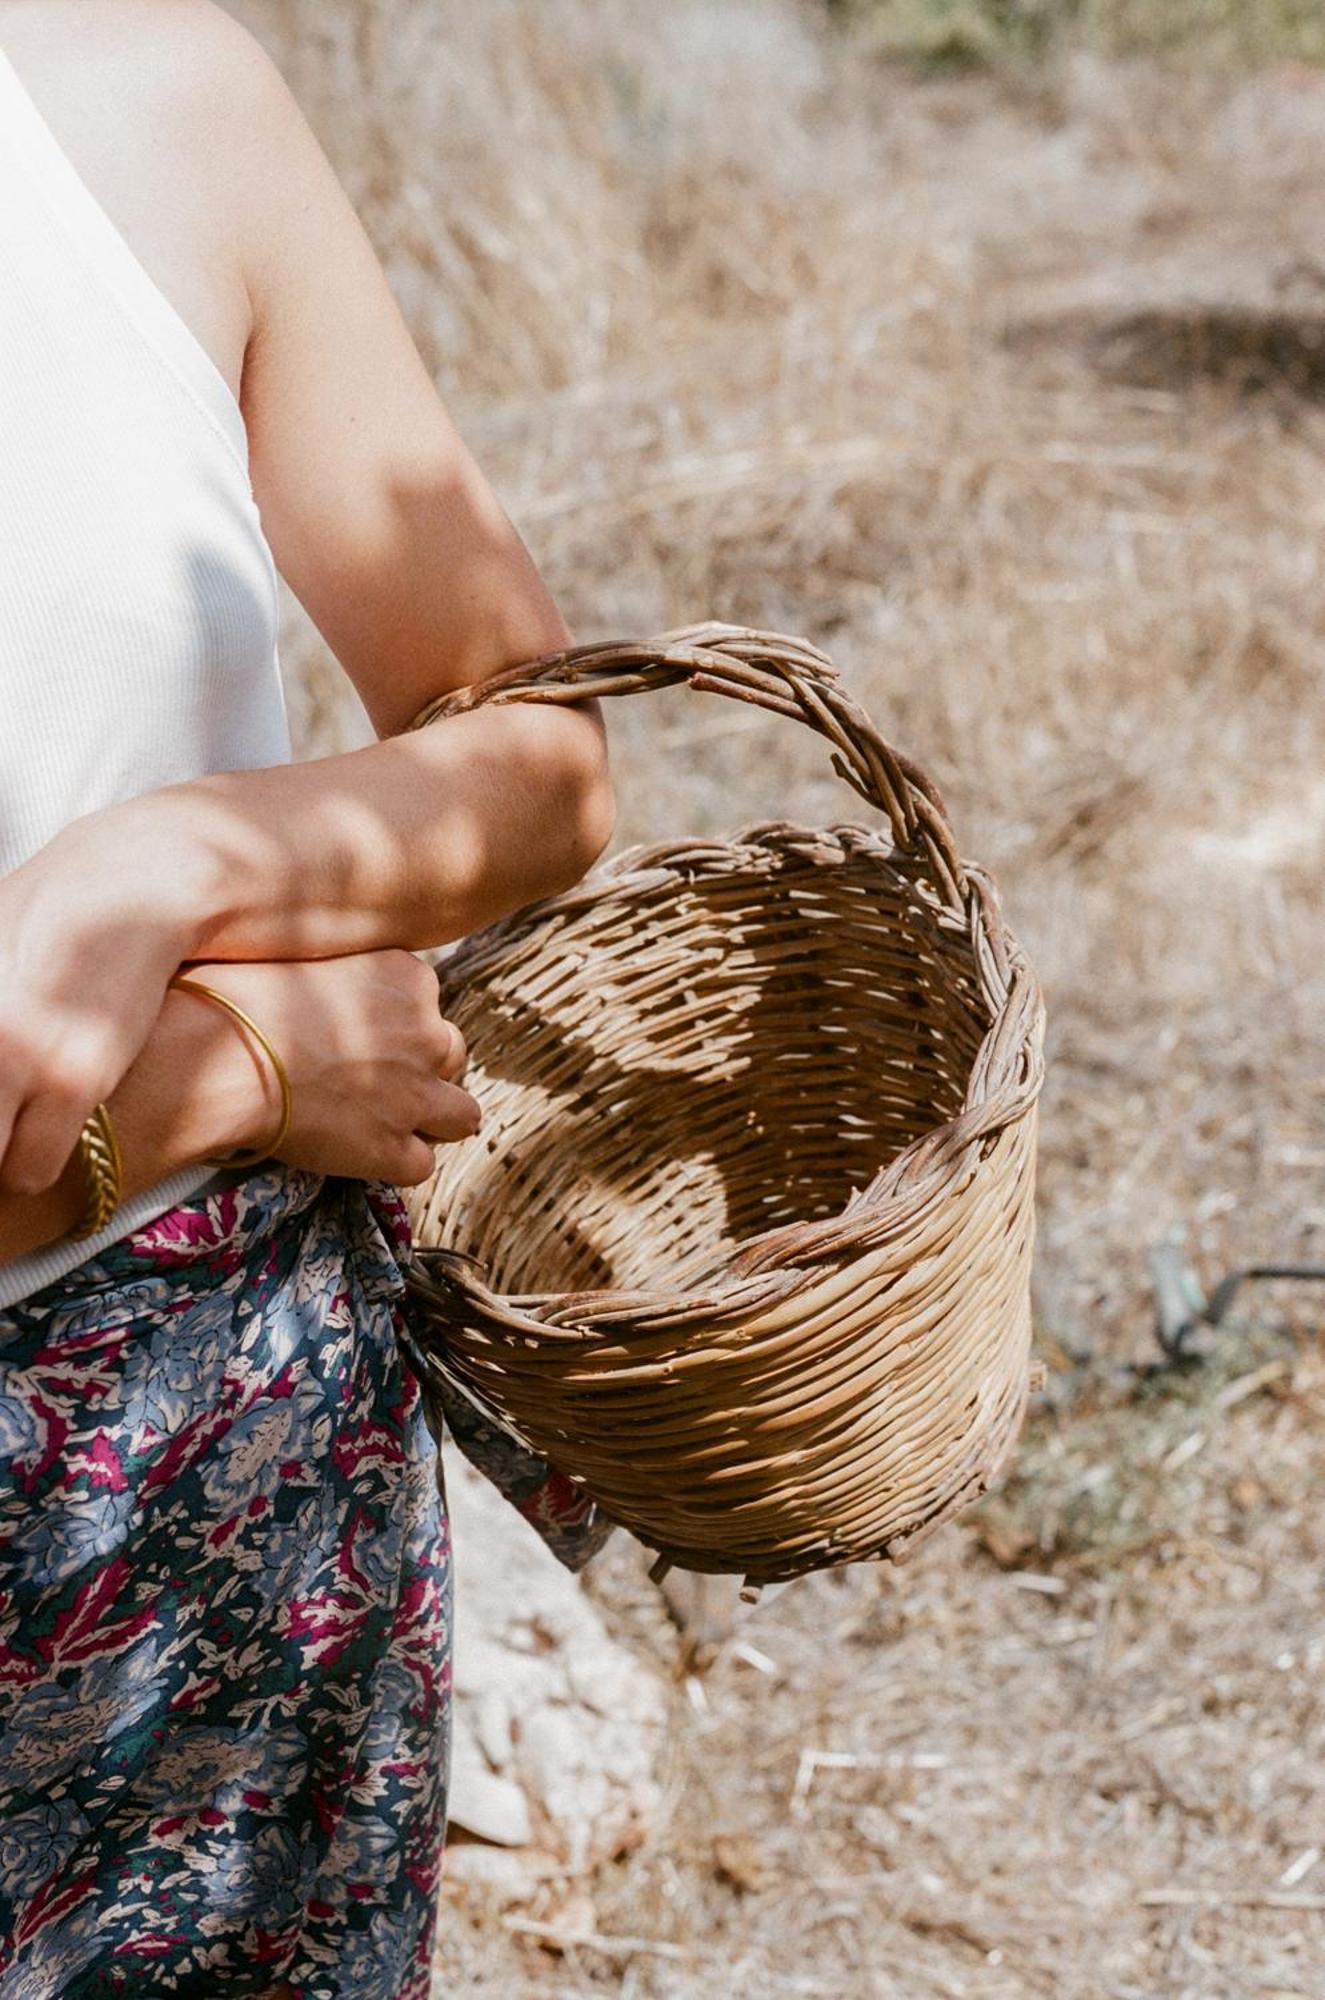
995	33
1009	392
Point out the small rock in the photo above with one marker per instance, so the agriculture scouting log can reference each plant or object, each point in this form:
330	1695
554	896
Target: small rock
705	1608
547	1705
569	1914
492	1728
494	1808
513	1873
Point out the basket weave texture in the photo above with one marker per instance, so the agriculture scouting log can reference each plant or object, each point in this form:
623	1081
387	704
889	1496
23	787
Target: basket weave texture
744	1246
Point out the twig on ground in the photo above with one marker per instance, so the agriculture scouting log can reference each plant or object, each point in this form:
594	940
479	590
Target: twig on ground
1228	1899
615	1947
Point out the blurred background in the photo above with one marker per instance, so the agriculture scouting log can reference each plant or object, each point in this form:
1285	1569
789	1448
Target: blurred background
982	342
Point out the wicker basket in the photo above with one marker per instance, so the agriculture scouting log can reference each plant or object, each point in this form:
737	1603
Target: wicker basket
745	1245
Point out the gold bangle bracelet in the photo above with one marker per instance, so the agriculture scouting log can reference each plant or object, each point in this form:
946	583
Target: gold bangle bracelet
99	1155
247	1156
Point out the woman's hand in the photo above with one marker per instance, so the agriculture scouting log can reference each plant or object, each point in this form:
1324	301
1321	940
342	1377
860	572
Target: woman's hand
88	941
92	929
371	1062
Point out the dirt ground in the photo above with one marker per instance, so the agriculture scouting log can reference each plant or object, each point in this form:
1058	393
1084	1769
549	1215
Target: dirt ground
1009	393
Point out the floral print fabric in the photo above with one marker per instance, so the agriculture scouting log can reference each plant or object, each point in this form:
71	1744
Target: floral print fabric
225	1612
568	1521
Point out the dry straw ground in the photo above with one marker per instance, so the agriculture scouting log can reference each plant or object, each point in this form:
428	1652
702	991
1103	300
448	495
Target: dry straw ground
1009	392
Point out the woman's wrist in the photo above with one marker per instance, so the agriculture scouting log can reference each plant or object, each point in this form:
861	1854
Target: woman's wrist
199	1091
163	840
142	861
410	842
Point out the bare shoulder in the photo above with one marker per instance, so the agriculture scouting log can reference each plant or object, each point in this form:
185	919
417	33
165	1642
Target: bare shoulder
215	96
199	61
183	125
183	57
176	90
207	85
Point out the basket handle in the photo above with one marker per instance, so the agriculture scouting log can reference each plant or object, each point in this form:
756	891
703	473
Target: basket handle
786	676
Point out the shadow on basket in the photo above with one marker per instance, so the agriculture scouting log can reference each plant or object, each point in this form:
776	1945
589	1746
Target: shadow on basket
745	1247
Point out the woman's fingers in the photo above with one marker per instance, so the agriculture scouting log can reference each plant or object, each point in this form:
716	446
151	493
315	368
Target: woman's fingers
415	1164
448	1113
65	1078
43	1135
445	1114
453	1055
10	1102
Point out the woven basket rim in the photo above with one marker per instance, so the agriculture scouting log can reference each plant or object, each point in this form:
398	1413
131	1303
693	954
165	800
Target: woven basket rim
637	868
786	1259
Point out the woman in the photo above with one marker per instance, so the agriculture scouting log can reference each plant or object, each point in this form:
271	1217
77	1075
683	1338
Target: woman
224	1568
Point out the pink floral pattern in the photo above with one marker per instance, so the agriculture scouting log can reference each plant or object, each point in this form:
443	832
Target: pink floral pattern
225	1612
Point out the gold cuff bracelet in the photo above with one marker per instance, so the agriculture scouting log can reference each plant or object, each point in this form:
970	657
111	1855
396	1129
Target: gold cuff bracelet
248	1156
99	1155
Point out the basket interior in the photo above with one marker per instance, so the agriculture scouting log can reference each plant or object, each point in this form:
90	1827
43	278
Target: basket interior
668	1073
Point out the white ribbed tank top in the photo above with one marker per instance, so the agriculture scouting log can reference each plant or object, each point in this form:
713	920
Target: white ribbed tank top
138	609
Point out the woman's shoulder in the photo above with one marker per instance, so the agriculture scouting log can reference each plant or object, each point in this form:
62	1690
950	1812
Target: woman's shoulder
195	87
177	118
161	51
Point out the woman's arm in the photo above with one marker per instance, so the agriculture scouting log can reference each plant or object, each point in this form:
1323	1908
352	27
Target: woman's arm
371	1062
192	1092
387	531
412	842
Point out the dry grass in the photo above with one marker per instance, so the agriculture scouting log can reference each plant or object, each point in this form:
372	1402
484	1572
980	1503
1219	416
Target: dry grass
1006	394
977	33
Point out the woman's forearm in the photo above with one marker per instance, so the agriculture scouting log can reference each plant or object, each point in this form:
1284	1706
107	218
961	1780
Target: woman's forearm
413	841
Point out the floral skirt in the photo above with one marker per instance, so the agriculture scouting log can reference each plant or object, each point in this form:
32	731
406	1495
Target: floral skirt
225	1612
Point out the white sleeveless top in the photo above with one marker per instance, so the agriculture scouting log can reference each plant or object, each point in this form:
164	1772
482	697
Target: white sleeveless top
138	608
